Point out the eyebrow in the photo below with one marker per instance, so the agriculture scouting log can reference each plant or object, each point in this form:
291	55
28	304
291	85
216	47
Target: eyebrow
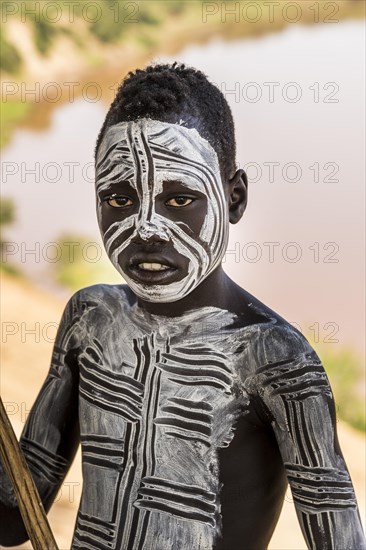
179	182
117	186
175	180
121	173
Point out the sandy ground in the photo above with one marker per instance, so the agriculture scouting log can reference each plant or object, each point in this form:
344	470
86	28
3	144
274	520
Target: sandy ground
28	320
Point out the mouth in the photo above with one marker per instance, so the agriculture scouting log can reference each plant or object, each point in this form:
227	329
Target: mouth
153	266
153	270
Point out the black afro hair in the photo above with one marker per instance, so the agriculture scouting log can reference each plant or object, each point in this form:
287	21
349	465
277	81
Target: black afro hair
173	92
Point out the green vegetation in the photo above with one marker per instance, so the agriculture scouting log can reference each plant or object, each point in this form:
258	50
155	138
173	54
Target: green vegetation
103	31
106	31
11	114
146	41
81	263
347	378
7	217
7	211
44	35
176	7
10	59
345	373
109	27
118	18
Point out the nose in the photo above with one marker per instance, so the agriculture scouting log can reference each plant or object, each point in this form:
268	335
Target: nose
149	231
141	238
149	226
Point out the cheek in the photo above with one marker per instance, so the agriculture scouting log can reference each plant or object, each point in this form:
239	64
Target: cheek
108	217
213	229
191	219
104	222
115	239
115	232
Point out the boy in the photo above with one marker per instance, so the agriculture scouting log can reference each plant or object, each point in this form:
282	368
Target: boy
193	401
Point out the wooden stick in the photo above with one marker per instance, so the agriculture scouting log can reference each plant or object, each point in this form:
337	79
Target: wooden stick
29	502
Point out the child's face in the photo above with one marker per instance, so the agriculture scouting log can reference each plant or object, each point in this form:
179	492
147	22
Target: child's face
161	207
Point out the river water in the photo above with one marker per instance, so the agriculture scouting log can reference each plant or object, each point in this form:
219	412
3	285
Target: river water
297	101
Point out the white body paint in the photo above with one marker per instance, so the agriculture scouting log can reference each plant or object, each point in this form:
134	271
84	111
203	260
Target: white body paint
147	153
161	490
158	400
175	403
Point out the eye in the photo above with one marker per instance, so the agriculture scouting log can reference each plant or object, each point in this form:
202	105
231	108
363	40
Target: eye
118	201
179	201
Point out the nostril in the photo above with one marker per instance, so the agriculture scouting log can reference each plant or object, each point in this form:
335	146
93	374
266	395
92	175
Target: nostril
144	238
151	233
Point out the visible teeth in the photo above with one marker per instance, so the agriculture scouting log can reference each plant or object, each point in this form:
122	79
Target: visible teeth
153	267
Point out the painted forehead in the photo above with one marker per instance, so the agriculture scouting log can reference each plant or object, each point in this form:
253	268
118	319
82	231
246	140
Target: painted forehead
157	151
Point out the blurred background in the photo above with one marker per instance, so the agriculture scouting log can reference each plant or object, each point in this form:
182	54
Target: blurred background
293	74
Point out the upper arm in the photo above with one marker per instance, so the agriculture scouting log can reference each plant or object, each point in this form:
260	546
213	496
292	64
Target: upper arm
295	390
50	436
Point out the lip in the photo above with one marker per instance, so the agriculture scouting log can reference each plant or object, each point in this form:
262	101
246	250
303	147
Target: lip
153	277
141	258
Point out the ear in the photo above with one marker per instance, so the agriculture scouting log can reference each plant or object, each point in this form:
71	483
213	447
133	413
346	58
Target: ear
238	197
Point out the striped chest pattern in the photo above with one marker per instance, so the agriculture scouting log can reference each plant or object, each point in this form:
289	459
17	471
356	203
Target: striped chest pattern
150	434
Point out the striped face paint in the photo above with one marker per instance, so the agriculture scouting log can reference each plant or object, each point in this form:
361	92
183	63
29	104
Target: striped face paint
145	156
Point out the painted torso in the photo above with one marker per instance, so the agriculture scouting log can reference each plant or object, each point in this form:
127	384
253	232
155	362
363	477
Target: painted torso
188	426
159	402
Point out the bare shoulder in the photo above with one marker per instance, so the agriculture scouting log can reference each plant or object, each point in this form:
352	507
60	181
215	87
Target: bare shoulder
279	341
284	364
101	296
271	340
272	336
102	292
95	307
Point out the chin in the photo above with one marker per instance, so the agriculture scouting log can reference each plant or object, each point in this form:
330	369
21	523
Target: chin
158	294
161	293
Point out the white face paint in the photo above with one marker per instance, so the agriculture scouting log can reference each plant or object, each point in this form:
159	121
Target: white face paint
147	153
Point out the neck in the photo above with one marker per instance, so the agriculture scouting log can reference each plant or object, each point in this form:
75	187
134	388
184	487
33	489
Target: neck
217	290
